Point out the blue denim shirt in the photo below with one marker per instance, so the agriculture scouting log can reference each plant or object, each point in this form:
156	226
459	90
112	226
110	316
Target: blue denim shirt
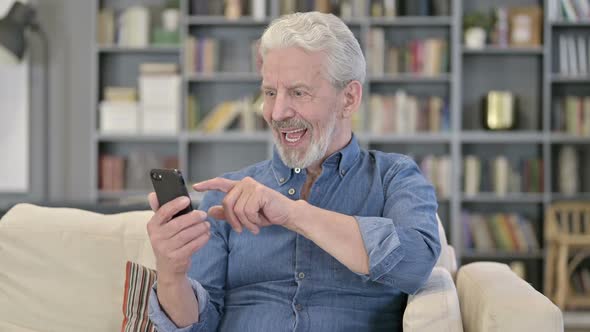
279	280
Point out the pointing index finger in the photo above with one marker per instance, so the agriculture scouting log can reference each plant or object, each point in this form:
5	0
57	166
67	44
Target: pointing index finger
219	184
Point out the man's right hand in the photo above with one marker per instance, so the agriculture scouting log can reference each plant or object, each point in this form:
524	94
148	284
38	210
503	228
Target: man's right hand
174	241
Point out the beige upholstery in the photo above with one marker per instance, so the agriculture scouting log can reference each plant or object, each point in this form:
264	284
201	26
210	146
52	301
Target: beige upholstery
447	257
492	299
435	307
63	270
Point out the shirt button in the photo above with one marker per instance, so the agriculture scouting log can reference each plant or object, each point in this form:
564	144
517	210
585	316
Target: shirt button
301	275
342	172
282	180
291	191
298	170
298	307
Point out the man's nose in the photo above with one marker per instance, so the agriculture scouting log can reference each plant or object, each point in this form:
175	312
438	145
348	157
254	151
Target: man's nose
282	109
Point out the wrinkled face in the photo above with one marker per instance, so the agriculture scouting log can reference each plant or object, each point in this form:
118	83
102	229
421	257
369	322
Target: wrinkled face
300	106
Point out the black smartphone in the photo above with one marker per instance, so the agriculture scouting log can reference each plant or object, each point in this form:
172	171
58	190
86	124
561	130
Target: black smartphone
168	185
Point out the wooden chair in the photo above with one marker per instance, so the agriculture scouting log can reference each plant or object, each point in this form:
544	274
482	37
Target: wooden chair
567	234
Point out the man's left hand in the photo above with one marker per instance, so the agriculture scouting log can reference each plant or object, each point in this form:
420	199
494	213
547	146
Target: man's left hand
248	204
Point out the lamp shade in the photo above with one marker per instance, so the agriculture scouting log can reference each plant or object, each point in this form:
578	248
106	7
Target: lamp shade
12	29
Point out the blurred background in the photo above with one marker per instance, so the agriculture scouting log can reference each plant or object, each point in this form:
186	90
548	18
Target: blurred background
491	98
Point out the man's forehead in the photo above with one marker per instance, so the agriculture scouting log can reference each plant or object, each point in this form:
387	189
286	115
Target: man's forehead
291	67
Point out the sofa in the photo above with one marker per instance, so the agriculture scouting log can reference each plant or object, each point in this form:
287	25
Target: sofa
63	269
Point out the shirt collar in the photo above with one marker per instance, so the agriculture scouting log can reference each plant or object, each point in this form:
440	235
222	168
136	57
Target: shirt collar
344	159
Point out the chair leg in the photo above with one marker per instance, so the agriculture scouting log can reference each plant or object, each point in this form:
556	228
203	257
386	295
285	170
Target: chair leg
549	284
562	277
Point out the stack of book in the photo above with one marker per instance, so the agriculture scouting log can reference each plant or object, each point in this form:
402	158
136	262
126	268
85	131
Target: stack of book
393	8
438	170
230	9
111	172
509	232
159	92
571	115
574	54
119	111
569	10
344	9
422	56
131	172
505	177
244	114
405	114
201	55
130	27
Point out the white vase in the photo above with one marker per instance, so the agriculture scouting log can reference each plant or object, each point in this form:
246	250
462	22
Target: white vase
475	38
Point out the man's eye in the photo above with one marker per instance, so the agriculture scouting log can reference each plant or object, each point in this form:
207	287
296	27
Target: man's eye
269	93
298	93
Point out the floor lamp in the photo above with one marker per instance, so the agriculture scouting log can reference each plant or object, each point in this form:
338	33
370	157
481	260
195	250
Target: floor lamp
13	43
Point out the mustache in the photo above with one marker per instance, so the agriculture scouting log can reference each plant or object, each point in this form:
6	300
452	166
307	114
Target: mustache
290	123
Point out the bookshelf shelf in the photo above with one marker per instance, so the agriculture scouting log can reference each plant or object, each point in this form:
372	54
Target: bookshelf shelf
230	136
583	196
222	20
559	78
556	137
410	78
508	137
420	137
114	138
576	320
125	194
412	21
470	254
106	49
494	50
223	77
508	198
580	24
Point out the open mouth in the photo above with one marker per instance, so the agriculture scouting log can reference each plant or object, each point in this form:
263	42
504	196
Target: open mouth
294	136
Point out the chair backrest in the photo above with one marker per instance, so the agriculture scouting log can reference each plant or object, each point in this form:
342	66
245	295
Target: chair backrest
568	221
447	257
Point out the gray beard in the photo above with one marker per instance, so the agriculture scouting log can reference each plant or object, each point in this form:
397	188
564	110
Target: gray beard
316	151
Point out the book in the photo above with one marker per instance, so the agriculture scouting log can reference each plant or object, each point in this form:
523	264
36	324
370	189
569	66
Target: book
258	9
563	55
118	117
572	56
158	68
582	56
193	114
472	177
501	175
377	51
569	13
106	26
111	172
119	93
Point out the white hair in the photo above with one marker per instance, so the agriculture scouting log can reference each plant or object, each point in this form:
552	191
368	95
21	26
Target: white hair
315	31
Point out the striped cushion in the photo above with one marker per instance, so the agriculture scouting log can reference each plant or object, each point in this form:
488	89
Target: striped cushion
138	283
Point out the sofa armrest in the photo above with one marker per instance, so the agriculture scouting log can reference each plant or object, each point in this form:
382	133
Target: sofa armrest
435	307
493	298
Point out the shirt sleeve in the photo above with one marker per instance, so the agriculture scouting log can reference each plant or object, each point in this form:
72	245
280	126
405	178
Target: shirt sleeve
207	275
164	324
403	244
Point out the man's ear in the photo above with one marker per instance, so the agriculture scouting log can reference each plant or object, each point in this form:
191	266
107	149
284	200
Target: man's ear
352	94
